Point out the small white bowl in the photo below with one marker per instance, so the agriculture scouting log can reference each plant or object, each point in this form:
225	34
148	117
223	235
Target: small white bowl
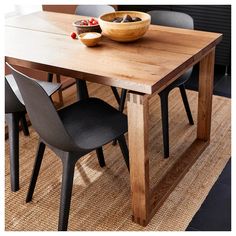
90	39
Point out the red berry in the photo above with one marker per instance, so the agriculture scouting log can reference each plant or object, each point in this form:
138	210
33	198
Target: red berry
73	35
84	22
94	22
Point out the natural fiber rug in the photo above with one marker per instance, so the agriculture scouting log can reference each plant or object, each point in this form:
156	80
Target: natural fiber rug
101	196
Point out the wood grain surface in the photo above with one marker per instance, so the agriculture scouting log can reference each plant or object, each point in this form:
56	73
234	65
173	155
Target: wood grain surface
146	66
138	110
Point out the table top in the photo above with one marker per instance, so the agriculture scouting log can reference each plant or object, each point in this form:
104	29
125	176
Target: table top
42	41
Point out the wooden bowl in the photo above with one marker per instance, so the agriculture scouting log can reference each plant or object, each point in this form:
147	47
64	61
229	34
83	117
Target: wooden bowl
86	28
124	32
90	41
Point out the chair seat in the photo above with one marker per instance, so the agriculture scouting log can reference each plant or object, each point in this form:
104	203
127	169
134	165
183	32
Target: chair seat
50	88
93	123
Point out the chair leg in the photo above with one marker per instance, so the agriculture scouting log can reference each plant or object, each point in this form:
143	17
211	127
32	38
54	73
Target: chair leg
121	106
82	90
100	157
122	100
124	149
186	104
35	173
24	125
66	191
116	94
165	122
50	77
13	130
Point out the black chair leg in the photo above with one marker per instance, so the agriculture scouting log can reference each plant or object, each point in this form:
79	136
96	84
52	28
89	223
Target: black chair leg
35	173
121	106
66	191
24	125
122	100
186	104
116	94
50	77
114	142
82	90
165	122
124	149
13	130
100	157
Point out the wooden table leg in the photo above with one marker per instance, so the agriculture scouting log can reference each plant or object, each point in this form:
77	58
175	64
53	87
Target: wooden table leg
146	202
139	160
206	82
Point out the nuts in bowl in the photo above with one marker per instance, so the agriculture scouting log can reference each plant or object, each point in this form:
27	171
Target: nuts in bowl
125	19
87	25
124	26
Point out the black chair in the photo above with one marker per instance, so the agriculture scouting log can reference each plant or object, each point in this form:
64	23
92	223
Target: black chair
93	10
179	20
15	113
96	11
71	133
82	90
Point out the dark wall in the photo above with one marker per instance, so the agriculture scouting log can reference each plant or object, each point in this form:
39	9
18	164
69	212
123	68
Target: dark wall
213	18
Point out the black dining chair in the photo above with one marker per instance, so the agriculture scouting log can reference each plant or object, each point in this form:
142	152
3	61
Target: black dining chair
93	10
179	20
96	11
14	113
82	90
71	133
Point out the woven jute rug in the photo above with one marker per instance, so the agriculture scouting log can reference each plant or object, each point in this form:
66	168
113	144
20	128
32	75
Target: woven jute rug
101	196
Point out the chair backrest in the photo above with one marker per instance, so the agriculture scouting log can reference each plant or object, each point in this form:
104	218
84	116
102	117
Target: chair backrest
93	10
172	19
12	103
42	113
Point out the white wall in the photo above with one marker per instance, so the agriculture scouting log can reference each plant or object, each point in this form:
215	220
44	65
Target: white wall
16	10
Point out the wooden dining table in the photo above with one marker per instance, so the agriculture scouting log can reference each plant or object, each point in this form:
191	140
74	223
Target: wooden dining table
42	41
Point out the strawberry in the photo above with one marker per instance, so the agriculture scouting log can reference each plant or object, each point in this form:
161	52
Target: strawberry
73	35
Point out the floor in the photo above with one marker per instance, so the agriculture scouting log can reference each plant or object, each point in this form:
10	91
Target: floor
109	209
215	212
213	215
